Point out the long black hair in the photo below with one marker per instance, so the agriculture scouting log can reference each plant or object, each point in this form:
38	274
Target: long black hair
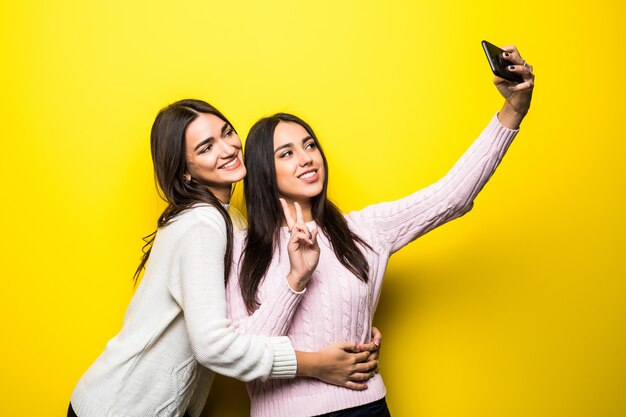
265	213
167	143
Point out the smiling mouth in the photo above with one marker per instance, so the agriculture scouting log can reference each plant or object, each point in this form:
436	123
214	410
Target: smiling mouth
308	174
234	163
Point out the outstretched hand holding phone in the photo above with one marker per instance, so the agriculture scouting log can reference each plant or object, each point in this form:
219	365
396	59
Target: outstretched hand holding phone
515	81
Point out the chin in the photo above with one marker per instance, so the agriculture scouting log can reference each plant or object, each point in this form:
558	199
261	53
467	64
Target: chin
306	196
301	193
236	175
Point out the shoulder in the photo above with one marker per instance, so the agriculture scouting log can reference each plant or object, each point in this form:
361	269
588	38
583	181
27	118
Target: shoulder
198	217
356	220
205	213
362	223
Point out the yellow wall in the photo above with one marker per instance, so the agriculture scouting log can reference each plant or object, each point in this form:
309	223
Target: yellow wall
515	310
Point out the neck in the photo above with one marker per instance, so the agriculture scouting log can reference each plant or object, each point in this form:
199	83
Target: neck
222	193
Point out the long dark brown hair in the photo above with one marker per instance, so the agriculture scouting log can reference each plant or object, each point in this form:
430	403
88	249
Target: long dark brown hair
167	143
265	213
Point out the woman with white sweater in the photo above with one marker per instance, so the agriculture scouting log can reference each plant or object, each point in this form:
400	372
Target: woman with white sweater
175	333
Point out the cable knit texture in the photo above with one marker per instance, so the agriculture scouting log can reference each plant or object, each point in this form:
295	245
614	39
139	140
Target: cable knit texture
176	327
338	306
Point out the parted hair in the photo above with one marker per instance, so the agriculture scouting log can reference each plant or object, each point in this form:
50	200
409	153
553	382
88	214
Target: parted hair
265	213
168	147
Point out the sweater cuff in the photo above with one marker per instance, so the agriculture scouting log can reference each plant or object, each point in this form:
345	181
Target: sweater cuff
291	290
497	127
285	363
501	137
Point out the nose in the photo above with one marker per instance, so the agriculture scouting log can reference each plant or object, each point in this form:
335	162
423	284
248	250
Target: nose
227	149
305	159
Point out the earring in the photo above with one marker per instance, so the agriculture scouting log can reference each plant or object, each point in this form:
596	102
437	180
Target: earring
187	178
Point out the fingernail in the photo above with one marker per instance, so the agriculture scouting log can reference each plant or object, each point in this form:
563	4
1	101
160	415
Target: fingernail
377	343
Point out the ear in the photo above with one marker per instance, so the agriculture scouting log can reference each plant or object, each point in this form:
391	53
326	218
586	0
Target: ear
187	177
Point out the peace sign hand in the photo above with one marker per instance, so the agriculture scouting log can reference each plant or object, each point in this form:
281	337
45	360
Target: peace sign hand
303	249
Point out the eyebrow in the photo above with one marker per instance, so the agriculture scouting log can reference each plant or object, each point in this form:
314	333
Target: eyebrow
290	144
211	138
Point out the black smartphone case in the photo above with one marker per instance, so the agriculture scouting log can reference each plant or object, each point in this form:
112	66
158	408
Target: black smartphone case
498	64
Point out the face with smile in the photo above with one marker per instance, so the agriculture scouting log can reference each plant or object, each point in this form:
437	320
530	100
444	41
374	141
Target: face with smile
213	155
299	165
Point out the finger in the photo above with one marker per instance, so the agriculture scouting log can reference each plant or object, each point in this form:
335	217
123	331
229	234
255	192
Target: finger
300	237
520	69
527	71
377	336
346	346
512	54
374	355
301	227
355	386
368	366
314	238
360	357
361	377
367	347
526	85
510	48
299	218
287	213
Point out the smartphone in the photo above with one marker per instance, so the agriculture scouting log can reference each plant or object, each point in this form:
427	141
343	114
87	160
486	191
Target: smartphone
498	64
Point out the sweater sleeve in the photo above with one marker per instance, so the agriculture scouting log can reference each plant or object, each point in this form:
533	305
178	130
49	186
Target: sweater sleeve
274	315
201	290
395	224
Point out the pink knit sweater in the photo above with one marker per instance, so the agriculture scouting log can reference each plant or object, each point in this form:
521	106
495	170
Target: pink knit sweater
336	305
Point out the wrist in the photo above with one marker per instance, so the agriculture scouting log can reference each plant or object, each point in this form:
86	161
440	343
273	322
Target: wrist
307	365
511	117
297	283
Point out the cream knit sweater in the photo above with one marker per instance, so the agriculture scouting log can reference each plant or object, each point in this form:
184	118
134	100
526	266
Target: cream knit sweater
176	327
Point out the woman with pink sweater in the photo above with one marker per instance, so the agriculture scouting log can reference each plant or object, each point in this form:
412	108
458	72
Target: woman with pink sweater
289	214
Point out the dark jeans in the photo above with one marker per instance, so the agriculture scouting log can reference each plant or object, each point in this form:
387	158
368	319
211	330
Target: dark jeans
71	413
375	409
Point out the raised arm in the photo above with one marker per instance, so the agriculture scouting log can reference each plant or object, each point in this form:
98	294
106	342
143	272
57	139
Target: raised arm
397	223
282	294
274	315
342	363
